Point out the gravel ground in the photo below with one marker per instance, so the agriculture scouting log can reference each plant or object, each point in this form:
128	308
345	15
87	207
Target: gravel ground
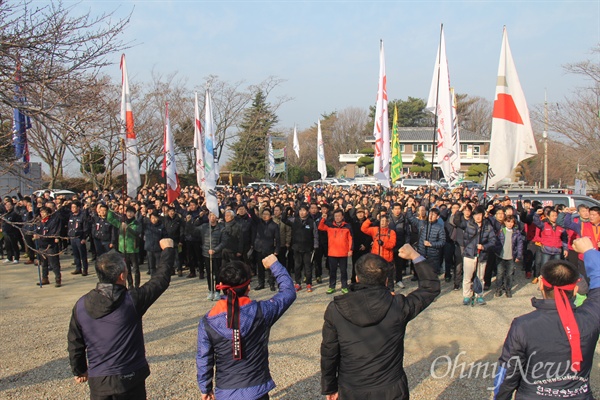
34	322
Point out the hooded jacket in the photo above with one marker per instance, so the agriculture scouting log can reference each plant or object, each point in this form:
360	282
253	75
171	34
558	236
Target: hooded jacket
105	334
363	338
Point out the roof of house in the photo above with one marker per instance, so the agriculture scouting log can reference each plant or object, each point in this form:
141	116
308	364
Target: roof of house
422	134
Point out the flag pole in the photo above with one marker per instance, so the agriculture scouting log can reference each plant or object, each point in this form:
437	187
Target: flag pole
435	127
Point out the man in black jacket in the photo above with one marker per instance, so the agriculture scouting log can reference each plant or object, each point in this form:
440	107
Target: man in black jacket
10	221
103	233
265	240
106	326
549	353
363	334
79	230
305	240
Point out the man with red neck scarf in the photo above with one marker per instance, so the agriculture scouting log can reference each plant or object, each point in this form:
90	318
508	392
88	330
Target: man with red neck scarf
234	335
549	352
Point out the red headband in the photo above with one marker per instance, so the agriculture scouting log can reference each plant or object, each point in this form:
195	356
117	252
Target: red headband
567	318
233	316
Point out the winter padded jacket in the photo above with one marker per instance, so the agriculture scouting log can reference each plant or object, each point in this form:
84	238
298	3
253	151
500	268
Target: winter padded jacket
537	346
362	351
387	236
105	335
305	236
339	237
517	243
265	237
248	378
472	236
153	233
436	236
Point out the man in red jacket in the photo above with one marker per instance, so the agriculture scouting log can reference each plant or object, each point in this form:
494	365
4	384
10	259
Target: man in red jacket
339	245
384	240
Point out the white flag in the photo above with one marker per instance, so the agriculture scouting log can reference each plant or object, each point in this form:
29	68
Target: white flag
381	128
169	164
132	163
209	157
321	166
455	135
271	158
512	138
199	147
440	104
296	143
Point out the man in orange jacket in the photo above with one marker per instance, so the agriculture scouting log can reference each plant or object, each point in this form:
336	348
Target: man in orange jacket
339	247
384	240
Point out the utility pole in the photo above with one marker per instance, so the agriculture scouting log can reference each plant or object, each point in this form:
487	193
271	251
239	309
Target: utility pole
545	137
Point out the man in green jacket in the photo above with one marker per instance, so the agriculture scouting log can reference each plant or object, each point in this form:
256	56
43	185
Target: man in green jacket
129	231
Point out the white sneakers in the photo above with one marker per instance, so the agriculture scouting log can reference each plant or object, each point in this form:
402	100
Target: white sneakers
214	296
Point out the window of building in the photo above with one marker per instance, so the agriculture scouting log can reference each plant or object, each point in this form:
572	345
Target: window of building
425	148
476	150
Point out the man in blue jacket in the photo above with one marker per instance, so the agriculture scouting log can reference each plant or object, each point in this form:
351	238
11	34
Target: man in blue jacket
549	352
106	340
234	335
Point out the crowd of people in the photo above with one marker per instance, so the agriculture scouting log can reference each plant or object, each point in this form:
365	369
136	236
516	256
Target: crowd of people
298	231
308	228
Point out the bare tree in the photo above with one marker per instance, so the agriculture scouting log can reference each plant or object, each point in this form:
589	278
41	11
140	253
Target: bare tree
576	119
343	131
230	100
474	114
54	50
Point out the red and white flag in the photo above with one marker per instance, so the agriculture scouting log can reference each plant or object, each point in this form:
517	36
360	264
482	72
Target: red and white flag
199	147
381	127
440	104
512	138
169	167
132	163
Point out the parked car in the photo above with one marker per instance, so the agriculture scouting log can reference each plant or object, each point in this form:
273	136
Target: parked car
55	193
414	184
548	199
258	185
326	181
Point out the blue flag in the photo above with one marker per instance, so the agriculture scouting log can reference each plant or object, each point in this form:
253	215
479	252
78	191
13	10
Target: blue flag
21	123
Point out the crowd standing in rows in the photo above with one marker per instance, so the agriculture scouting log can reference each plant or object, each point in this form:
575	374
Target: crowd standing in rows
462	237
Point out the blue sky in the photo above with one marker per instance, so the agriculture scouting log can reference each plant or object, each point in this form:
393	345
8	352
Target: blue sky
327	51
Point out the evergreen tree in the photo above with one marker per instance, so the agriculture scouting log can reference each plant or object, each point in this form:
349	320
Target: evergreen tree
249	152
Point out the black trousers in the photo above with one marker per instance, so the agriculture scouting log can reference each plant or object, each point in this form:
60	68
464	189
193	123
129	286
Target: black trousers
137	393
399	266
449	260
193	256
30	246
340	263
262	273
50	261
133	269
12	246
216	268
490	268
302	263
458	256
